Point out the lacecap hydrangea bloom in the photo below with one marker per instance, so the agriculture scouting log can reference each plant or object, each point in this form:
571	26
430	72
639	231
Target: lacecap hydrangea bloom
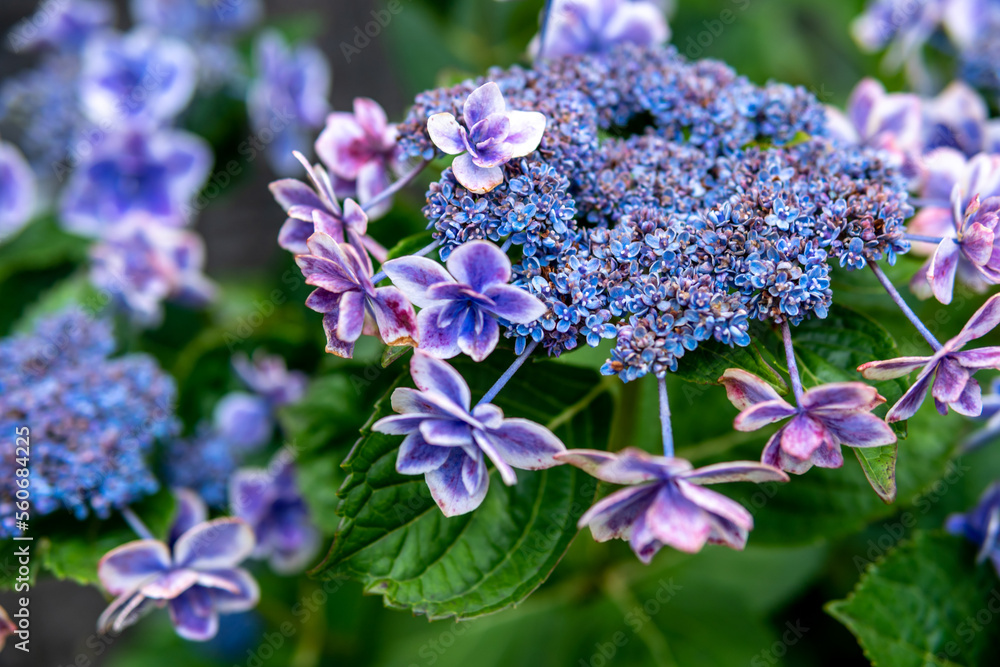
93	418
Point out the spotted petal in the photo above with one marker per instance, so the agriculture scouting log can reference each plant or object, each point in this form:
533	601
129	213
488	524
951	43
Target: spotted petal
526	445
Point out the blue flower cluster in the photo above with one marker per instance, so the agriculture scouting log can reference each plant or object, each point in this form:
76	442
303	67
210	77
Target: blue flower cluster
669	203
93	419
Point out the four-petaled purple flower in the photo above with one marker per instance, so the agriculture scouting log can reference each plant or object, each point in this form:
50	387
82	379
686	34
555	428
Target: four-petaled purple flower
360	150
595	26
981	526
974	245
492	136
665	502
17	190
950	370
140	76
270	502
827	417
350	303
195	573
155	174
446	440
316	208
461	306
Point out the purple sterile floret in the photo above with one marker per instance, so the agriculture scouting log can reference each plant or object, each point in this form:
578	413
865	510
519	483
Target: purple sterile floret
269	377
270	502
17	190
446	439
596	26
195	573
360	151
350	303
948	373
827	417
315	207
981	525
461	306
491	137
666	502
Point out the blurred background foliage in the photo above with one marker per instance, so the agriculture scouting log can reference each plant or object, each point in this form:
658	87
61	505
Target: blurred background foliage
600	607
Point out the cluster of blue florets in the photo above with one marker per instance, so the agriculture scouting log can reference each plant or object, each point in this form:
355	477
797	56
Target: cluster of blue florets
669	203
92	419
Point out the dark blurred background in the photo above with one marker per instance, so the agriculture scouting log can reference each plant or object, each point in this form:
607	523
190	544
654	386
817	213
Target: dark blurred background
798	41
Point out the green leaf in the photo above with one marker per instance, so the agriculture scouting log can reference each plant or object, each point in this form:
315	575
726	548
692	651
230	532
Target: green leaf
393	353
395	540
918	606
708	362
411	244
830	350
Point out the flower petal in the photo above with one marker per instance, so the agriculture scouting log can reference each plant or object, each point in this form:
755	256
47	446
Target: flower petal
193	617
477	180
981	323
242	594
478	344
760	415
448	489
397	323
414	275
487	445
514	304
841	396
371	117
526	130
416	457
446	133
526	445
436	341
483	102
745	389
289	192
123	569
734	471
430	374
352	316
950	380
970	402
479	264
718	504
909	403
675	520
859	429
613	516
190	511
334	345
983	357
942	268
802	436
213	545
170	584
892	368
446	432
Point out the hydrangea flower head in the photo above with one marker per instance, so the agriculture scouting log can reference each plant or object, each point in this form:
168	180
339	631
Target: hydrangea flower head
595	26
144	264
461	306
360	150
350	303
17	190
137	77
827	417
959	118
448	441
197	19
288	97
948	373
270	502
981	525
195	573
665	502
134	173
94	420
243	420
491	136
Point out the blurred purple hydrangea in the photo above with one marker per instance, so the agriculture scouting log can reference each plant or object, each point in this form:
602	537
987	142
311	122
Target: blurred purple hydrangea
948	373
270	502
287	98
138	77
197	19
143	264
243	420
133	173
62	26
17	191
666	502
461	306
360	151
981	525
959	118
595	26
491	137
268	377
195	574
827	417
446	438
94	419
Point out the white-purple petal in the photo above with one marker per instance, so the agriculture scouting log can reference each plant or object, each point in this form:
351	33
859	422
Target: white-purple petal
397	323
431	374
123	569
476	179
514	304
478	344
448	488
217	544
437	341
414	275
446	133
745	389
416	457
483	102
479	264
760	415
193	615
526	445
